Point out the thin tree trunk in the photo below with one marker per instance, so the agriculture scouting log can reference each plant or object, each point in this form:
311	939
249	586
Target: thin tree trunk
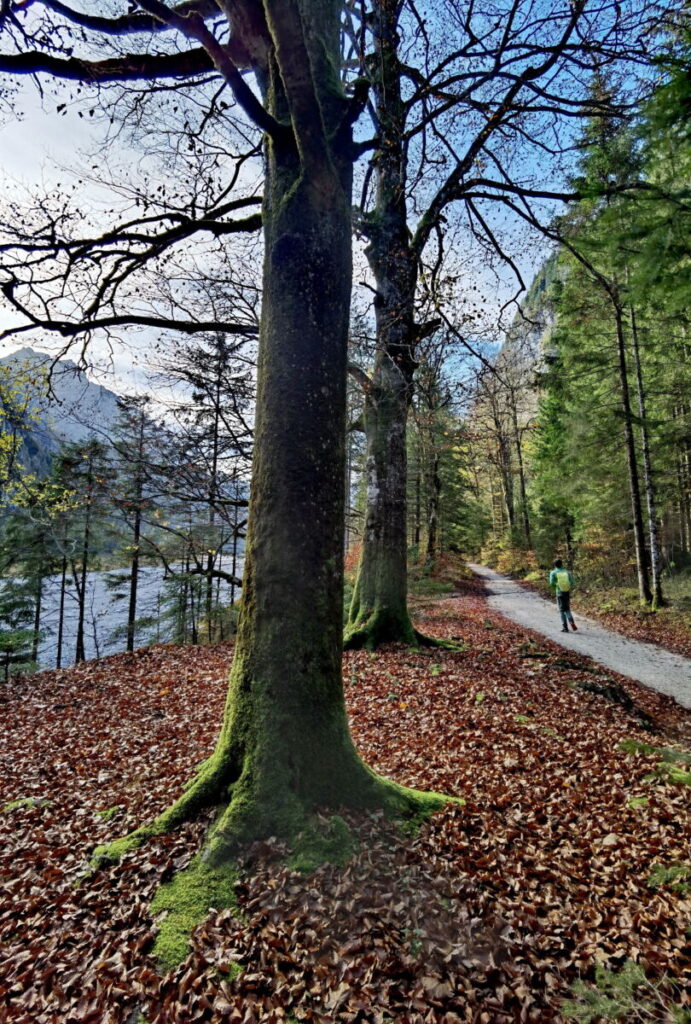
37	618
234	562
634	486
134	576
521	476
507	484
418	501
568	540
192	607
433	510
80	653
684	505
136	535
655	561
213	490
61	612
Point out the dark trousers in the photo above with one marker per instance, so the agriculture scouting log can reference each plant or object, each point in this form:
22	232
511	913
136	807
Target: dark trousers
564	606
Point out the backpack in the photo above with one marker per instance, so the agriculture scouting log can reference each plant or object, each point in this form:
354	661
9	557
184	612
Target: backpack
563	581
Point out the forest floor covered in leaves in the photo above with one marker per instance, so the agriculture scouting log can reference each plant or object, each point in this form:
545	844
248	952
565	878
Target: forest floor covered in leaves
568	852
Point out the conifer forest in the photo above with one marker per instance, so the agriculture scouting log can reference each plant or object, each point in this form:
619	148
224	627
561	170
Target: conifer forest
345	511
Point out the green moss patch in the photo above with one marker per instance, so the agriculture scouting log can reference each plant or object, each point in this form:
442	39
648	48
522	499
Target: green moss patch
109	813
674	876
411	825
669	767
322	841
112	853
666	754
23	803
674	775
428	586
186	901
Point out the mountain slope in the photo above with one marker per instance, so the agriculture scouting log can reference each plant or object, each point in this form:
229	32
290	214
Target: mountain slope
68	406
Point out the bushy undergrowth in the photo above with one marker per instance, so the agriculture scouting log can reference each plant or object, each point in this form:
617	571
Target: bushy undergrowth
509	559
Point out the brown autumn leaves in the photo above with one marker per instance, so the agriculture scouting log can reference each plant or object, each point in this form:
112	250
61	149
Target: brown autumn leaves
487	915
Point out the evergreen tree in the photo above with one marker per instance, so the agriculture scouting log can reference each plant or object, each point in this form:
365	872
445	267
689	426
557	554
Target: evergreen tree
215	446
17	633
134	444
84	469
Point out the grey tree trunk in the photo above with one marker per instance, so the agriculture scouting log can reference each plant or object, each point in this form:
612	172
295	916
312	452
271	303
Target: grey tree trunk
379	609
648	481
634	485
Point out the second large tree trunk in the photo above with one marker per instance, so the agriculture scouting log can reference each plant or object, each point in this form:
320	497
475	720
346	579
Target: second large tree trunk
379	609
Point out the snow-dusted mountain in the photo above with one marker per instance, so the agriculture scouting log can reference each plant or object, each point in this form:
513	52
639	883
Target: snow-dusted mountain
68	406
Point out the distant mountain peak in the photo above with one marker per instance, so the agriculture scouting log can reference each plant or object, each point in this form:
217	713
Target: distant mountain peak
76	408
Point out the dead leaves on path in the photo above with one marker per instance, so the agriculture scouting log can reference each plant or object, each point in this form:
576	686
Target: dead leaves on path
485	916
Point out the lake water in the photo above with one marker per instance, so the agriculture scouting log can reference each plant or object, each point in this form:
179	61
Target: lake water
106	614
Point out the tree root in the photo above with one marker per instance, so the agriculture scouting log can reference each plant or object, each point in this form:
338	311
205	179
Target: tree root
433	641
382	627
204	790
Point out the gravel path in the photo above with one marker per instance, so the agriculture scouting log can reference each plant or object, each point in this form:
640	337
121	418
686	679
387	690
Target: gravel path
660	670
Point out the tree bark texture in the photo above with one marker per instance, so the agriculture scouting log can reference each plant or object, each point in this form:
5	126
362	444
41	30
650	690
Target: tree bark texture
285	746
379	610
650	496
634	485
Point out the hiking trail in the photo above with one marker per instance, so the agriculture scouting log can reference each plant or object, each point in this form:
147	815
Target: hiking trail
652	666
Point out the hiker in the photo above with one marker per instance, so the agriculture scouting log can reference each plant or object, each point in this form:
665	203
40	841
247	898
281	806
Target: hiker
562	580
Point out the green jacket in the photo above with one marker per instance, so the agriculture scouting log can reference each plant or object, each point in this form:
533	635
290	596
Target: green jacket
553	580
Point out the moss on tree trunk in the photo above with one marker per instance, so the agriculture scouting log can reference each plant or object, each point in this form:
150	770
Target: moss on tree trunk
379	610
285	746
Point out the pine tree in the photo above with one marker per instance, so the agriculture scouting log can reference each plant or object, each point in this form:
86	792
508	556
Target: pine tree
17	633
84	469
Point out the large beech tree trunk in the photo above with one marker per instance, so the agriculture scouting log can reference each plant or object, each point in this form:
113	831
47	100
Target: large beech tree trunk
285	747
285	743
